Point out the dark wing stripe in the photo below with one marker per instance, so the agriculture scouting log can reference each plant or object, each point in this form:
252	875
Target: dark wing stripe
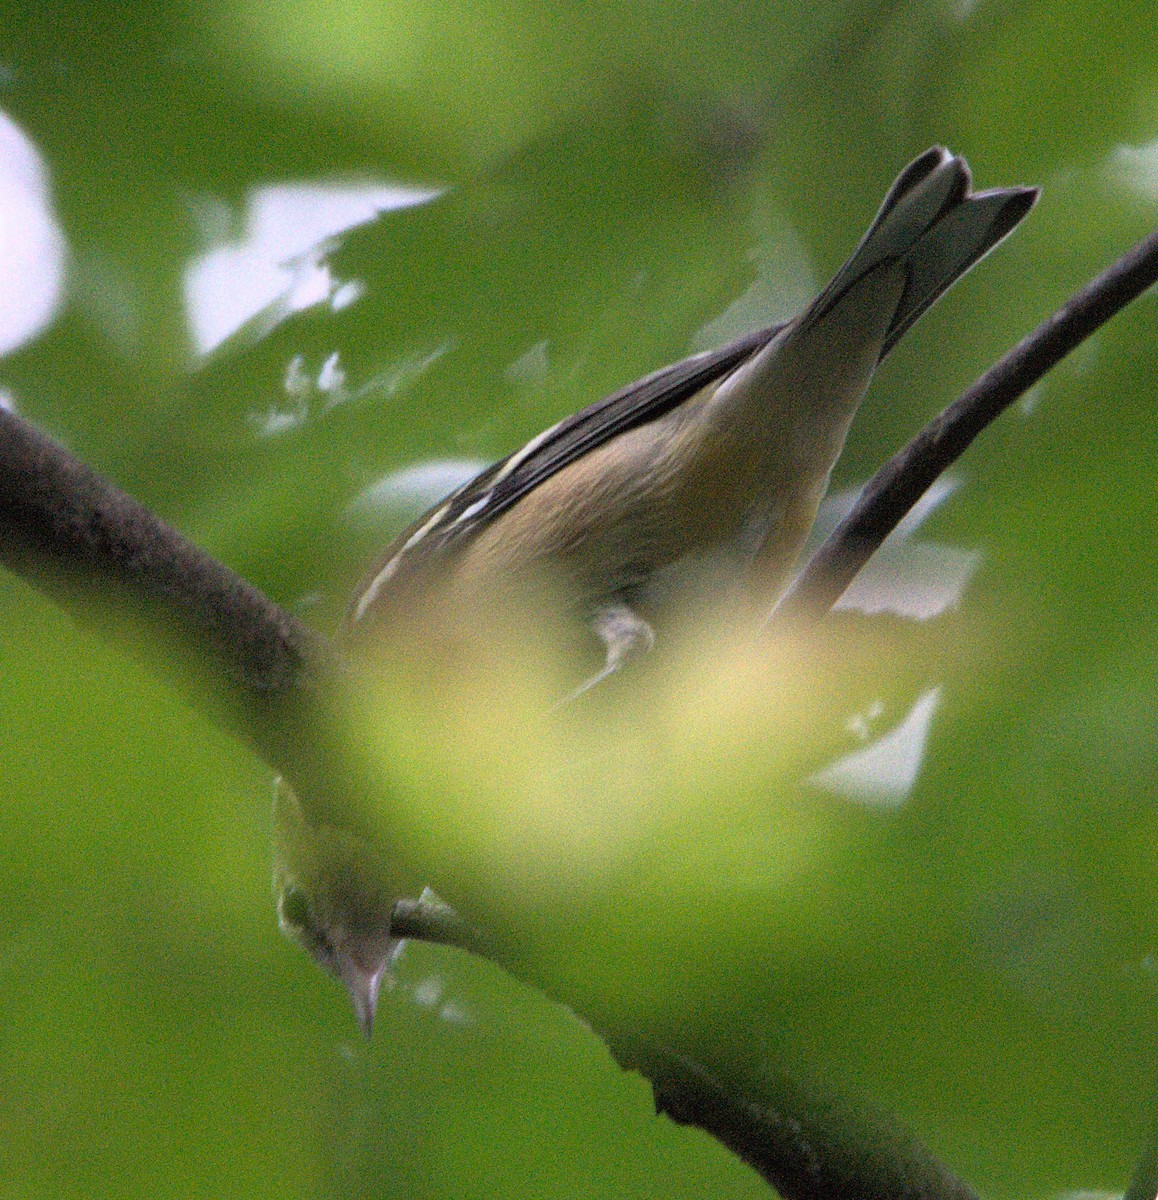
631	406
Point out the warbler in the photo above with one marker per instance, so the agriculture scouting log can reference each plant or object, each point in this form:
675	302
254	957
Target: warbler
722	458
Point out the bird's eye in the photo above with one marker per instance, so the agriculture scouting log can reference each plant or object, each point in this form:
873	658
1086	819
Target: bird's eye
294	908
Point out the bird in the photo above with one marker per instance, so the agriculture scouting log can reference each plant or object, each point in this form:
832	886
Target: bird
721	458
335	898
713	467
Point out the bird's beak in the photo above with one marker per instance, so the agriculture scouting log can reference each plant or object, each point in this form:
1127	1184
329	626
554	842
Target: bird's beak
362	983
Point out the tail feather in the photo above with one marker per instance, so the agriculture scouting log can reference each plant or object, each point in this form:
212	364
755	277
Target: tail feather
938	226
953	246
915	173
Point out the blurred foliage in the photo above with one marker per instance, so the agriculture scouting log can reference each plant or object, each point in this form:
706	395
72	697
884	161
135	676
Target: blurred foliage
981	959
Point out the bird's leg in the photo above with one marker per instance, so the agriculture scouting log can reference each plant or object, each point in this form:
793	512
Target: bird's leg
624	634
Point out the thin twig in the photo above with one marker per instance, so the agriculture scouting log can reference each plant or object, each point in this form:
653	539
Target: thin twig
901	482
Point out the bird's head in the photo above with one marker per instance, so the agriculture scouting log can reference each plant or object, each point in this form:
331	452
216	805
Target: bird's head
335	900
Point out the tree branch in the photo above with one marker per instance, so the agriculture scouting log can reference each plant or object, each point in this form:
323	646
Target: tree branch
807	1145
110	562
901	482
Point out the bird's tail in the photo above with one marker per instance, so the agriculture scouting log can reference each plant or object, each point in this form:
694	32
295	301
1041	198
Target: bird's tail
808	381
933	222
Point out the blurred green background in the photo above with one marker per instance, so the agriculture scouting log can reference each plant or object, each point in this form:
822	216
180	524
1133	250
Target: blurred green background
258	256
